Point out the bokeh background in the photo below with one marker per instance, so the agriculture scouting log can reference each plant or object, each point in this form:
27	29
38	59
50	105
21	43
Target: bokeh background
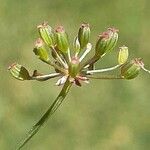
106	115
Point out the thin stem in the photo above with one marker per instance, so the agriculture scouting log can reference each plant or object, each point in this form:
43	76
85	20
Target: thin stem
88	49
48	113
45	77
59	58
91	61
146	70
106	77
76	54
57	67
103	70
88	62
69	55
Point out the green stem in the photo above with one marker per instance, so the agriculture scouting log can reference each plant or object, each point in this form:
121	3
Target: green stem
107	77
86	51
48	113
146	70
45	77
91	61
103	70
59	58
57	67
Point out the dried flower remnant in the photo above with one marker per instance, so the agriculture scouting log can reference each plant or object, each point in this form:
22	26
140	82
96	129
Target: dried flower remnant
69	63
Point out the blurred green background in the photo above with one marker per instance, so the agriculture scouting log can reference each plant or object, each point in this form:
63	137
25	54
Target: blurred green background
103	115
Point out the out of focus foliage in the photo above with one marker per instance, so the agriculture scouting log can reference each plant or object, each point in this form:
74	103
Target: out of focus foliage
102	115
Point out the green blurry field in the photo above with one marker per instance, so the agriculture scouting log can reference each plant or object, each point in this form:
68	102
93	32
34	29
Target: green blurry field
103	115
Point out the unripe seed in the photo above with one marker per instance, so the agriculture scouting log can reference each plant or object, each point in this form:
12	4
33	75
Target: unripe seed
131	69
84	35
106	42
41	51
74	67
19	72
62	40
46	34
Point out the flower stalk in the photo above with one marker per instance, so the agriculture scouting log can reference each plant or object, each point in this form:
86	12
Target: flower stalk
102	70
